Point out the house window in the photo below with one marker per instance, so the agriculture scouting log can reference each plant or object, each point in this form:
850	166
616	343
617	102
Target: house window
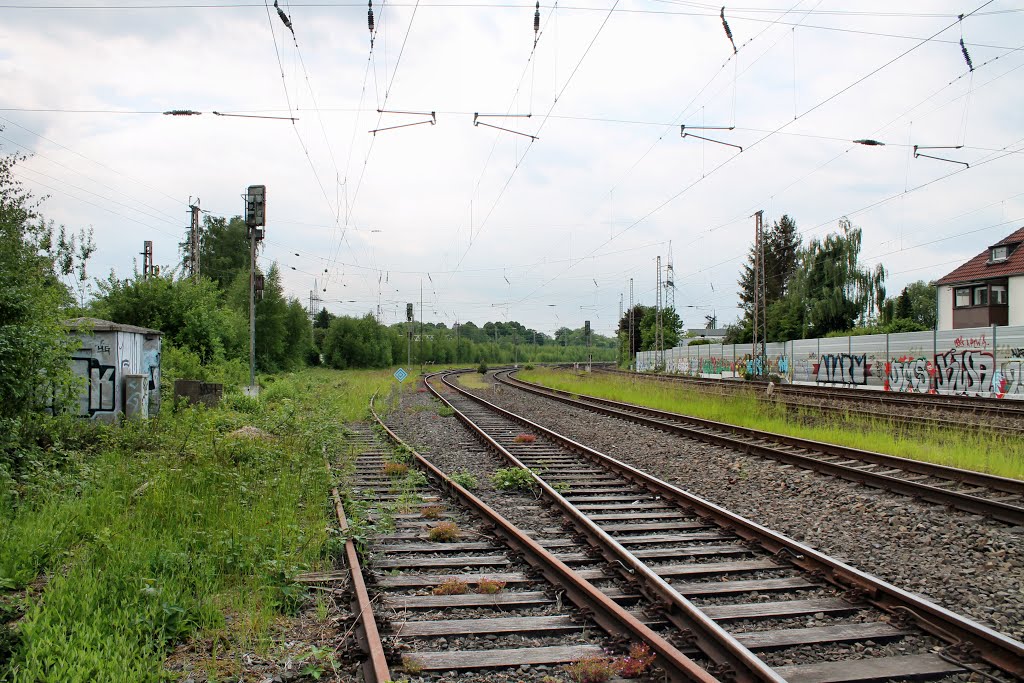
999	253
999	294
963	297
981	296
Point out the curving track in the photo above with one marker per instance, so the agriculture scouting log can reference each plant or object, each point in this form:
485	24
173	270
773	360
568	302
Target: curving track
715	571
997	497
986	407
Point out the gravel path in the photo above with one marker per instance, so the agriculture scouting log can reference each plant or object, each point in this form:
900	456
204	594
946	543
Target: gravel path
961	561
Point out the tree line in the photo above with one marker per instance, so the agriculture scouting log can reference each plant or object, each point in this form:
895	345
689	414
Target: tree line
347	342
823	288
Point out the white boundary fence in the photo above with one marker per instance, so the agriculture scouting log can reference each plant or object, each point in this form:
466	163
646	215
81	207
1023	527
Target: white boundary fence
978	361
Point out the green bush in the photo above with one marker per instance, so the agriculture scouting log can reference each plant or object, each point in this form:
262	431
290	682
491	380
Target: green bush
482	368
513	479
465	480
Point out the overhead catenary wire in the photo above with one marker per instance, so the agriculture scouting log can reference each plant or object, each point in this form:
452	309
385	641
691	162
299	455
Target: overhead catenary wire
813	108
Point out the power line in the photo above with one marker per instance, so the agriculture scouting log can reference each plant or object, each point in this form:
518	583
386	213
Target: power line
529	146
817	106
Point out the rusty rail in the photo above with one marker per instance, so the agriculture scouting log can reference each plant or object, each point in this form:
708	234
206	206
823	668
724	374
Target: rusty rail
994	648
612	617
711	638
749	440
375	668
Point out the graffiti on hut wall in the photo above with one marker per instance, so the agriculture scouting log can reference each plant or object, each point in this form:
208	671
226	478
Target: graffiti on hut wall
99	395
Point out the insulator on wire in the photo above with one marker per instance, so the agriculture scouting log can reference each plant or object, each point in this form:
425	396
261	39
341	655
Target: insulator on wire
369	20
967	57
284	18
728	31
536	24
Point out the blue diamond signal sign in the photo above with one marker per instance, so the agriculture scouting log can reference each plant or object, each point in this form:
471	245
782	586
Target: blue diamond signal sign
401	374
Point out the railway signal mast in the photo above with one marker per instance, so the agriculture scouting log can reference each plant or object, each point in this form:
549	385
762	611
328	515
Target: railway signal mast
255	221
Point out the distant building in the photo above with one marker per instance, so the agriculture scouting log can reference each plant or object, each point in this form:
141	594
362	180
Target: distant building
108	353
987	290
704	333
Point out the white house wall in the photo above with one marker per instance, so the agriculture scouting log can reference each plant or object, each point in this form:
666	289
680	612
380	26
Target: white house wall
946	308
1015	296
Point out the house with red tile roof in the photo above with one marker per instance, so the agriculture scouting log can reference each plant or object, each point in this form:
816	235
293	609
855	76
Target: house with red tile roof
987	290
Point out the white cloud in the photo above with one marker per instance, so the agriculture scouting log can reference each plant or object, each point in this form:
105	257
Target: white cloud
577	188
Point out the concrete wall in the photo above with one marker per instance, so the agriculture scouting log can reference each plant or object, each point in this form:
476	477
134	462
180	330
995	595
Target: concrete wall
102	359
984	361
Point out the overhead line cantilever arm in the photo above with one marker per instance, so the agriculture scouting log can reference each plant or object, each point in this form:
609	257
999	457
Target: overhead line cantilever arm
929	156
717	142
432	120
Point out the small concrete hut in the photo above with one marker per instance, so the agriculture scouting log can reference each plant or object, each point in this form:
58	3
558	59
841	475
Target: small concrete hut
120	365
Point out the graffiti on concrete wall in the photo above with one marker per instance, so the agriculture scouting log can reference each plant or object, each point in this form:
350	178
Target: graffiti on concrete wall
964	372
842	368
968	362
909	374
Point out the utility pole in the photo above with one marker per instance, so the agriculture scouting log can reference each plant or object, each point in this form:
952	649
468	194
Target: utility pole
670	281
147	259
590	355
255	218
659	338
421	324
760	315
630	323
315	301
619	356
193	242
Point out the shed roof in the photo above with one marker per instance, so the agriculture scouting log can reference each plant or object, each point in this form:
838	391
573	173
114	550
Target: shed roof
981	268
98	325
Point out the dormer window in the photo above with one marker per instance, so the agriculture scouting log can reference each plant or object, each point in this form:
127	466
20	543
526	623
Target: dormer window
1000	254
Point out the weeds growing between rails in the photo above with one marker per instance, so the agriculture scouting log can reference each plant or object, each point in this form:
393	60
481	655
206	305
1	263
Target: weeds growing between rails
147	534
981	450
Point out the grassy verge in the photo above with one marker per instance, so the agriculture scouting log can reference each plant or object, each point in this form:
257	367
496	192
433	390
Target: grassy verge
116	543
981	451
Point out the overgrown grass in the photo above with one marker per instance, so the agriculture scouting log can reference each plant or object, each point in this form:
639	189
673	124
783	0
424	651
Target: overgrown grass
981	450
472	380
154	532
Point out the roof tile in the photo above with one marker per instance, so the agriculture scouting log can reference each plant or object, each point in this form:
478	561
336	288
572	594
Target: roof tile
979	268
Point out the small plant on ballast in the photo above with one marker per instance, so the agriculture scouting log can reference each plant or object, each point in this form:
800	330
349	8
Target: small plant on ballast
637	662
489	586
411	665
431	511
445	411
451	586
395	469
593	669
465	480
525	438
444	532
513	479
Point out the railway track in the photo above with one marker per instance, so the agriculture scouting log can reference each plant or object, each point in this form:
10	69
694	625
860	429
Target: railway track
997	497
715	571
978	406
488	598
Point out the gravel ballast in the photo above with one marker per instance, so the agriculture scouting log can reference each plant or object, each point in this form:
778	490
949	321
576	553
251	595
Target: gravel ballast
964	562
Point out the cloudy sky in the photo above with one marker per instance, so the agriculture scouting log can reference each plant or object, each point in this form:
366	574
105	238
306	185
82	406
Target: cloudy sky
495	224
